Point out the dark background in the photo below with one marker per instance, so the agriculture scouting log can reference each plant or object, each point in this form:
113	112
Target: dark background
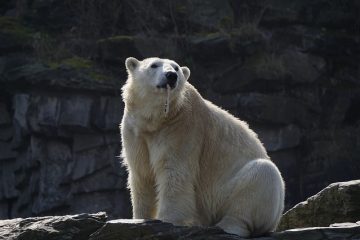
291	69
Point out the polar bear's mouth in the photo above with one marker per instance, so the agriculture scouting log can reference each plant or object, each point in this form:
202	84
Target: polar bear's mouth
164	85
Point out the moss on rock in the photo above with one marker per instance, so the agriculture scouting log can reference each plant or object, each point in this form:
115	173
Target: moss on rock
13	27
82	65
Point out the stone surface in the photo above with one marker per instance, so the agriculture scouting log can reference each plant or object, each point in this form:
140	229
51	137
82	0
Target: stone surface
214	14
48	110
87	141
107	113
59	77
339	202
54	157
115	202
62	227
6	151
275	139
257	107
6	133
87	162
4	115
8	181
21	106
76	112
4	206
303	67
95	227
116	49
105	179
343	231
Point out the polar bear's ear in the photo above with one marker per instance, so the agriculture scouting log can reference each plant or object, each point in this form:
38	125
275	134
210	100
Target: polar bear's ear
186	72
131	63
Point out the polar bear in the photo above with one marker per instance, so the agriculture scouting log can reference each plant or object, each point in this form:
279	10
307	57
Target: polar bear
189	161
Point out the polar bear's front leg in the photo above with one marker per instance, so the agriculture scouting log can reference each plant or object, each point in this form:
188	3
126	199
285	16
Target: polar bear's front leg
176	195
141	180
143	197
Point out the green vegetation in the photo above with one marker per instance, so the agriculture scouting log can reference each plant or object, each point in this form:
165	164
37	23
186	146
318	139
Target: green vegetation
180	7
271	65
118	38
13	27
247	31
74	62
98	76
78	63
226	23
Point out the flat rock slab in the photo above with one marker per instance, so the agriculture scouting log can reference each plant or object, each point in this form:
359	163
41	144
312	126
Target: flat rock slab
95	227
67	227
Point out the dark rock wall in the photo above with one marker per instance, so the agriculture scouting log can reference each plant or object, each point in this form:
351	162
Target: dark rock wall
289	68
59	153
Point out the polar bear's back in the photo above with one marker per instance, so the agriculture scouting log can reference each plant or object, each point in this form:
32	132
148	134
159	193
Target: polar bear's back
228	135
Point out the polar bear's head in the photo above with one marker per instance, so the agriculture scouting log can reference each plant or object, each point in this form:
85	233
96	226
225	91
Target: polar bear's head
156	74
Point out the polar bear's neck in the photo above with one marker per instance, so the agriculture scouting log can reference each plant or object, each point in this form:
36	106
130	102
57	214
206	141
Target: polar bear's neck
149	107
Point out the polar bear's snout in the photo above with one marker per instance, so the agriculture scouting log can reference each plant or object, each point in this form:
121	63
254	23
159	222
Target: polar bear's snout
169	79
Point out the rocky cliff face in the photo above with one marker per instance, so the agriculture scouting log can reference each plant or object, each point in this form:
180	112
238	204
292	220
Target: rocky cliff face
290	69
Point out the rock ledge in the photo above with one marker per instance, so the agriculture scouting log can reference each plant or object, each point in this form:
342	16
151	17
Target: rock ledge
95	227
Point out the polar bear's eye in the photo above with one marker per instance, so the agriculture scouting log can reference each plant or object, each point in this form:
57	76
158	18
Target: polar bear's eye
154	65
176	68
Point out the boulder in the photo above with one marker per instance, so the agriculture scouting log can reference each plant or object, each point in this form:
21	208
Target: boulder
339	202
61	227
338	231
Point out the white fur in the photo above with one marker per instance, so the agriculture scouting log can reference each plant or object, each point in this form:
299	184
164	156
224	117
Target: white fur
198	165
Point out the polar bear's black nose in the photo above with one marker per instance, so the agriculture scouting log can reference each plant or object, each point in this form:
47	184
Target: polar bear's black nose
171	78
